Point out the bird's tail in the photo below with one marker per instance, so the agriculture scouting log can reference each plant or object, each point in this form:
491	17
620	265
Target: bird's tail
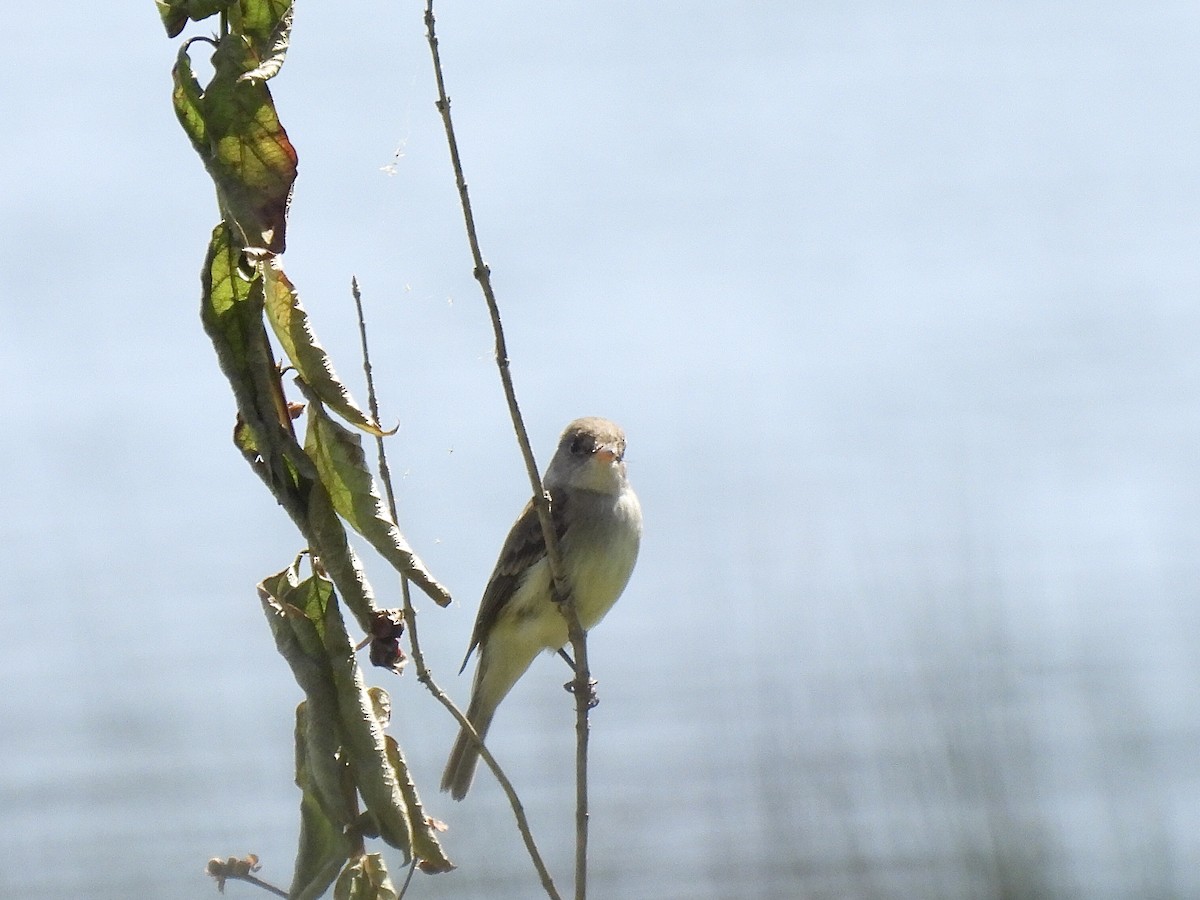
464	756
500	665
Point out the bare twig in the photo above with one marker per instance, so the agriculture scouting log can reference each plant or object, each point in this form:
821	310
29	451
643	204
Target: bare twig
410	618
582	686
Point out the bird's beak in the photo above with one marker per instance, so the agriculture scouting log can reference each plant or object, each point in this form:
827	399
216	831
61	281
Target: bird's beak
608	453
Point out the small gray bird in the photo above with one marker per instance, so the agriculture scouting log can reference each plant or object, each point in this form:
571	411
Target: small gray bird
598	522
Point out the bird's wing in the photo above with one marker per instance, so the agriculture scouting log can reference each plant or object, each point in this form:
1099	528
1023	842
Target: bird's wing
522	549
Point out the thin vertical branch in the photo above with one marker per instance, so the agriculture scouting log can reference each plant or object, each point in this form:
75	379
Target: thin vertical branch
582	684
410	619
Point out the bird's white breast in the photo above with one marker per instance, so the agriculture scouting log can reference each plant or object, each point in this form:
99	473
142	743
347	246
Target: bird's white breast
600	556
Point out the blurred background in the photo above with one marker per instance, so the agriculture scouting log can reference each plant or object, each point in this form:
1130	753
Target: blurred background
898	307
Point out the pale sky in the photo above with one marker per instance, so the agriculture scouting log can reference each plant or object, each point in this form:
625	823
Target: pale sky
897	305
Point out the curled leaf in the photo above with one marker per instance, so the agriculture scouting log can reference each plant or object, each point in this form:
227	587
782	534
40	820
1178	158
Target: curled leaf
365	878
324	846
328	542
267	26
289	321
231	312
365	742
342	467
233	126
426	846
176	13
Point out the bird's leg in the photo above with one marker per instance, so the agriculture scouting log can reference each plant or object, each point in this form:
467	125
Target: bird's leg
593	699
569	687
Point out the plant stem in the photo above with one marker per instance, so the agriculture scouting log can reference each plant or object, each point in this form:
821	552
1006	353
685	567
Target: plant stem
561	590
410	619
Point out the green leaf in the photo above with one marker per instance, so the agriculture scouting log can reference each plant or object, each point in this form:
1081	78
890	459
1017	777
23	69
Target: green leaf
327	539
302	605
324	847
366	878
175	13
322	851
301	643
291	325
233	126
340	742
232	304
267	24
426	846
365	746
231	312
296	612
342	467
232	315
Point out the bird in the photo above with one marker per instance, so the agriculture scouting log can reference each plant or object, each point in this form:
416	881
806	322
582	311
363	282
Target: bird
598	523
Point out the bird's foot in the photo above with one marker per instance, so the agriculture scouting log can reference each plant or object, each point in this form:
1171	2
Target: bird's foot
593	699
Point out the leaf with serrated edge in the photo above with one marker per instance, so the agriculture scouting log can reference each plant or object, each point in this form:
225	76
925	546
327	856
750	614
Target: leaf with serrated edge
342	467
267	25
231	313
298	628
365	744
290	323
426	847
327	539
234	128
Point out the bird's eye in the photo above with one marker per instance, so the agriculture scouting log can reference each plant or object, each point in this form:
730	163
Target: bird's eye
580	445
